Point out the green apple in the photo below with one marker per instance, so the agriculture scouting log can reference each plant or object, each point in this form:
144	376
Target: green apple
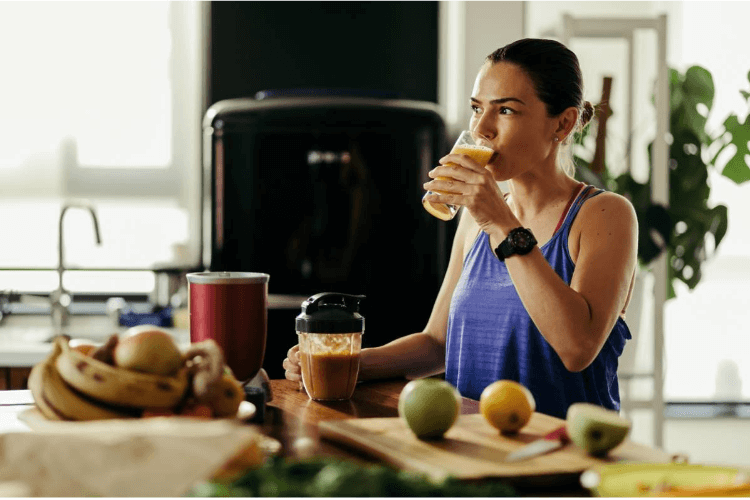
595	429
429	407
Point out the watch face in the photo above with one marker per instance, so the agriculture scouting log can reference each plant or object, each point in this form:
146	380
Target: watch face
521	239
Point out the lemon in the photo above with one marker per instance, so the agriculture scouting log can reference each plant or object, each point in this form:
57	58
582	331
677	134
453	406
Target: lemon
507	405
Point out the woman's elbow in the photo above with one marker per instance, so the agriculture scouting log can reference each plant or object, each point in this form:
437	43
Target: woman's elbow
578	360
579	352
575	365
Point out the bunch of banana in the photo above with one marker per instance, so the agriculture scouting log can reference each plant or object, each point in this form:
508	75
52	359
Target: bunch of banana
57	400
75	385
119	386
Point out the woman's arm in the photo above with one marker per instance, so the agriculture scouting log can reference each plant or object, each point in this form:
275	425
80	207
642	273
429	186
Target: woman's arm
577	319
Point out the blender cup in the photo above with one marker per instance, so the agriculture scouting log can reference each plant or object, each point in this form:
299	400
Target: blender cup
329	330
232	309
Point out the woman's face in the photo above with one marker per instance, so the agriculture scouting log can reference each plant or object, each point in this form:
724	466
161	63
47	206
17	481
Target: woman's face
508	116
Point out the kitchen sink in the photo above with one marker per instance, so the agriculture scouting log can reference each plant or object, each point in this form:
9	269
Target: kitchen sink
38	328
25	339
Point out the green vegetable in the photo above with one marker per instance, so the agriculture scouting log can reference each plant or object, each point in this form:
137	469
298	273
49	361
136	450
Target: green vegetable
328	477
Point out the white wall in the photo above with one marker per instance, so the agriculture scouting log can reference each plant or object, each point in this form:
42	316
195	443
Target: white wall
469	32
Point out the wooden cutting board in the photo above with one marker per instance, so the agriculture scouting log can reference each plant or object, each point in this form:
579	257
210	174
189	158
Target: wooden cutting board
473	449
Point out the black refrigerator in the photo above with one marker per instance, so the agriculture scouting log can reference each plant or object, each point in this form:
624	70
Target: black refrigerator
323	192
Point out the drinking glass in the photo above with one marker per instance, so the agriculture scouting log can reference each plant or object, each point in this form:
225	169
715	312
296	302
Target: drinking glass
464	145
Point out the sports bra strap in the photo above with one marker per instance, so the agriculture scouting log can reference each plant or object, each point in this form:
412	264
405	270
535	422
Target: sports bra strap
567	207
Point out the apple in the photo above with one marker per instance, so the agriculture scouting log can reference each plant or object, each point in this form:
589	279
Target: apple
595	429
148	349
429	407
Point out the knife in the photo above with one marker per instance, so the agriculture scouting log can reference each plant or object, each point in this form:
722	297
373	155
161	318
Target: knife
552	441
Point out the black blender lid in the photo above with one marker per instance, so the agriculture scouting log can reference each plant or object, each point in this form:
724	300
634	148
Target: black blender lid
331	312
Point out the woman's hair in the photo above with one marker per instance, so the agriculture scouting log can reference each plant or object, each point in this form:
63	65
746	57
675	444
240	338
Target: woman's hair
556	75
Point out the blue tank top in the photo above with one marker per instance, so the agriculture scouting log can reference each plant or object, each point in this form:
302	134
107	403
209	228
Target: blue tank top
491	336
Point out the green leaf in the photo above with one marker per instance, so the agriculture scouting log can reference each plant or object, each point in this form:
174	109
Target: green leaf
720	223
676	97
699	85
329	477
737	168
675	89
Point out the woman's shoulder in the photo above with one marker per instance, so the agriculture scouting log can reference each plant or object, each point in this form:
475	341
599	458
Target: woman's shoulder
608	209
606	203
607	213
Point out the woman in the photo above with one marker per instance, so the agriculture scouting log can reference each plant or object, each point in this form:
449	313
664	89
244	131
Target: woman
538	279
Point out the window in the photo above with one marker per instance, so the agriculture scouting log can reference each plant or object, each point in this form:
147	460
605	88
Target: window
706	330
100	101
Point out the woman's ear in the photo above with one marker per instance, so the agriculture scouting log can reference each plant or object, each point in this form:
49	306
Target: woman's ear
566	122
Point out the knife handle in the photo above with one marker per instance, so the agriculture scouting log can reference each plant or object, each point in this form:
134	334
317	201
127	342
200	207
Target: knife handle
559	434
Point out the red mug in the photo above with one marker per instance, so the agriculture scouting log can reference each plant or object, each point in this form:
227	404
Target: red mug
232	309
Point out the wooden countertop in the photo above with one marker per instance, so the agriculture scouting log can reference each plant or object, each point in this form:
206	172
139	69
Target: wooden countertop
292	418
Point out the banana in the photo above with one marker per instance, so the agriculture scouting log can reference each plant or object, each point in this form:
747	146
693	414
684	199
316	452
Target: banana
36	386
58	401
118	386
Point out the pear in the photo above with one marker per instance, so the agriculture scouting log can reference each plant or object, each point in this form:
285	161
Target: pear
596	429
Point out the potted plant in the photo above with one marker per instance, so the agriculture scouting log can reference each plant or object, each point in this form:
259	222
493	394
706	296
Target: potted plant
684	228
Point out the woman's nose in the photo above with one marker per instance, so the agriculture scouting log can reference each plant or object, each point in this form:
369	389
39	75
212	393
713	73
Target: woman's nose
483	128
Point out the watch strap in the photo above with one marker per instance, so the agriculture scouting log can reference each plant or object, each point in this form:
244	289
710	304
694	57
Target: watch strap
504	250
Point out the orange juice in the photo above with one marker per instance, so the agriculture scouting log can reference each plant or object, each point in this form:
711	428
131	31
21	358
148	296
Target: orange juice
481	155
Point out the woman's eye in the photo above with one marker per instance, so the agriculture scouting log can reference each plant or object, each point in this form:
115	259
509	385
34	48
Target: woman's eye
475	109
506	111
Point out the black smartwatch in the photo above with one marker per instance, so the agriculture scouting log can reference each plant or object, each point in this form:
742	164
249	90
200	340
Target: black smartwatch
520	241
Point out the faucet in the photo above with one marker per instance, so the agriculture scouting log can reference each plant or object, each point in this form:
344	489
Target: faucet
60	299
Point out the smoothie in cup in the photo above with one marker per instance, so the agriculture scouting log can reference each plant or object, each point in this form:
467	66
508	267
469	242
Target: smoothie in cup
330	364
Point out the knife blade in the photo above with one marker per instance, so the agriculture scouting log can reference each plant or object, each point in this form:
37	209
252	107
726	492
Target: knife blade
552	441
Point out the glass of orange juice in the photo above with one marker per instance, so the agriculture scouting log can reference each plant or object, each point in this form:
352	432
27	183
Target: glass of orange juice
464	145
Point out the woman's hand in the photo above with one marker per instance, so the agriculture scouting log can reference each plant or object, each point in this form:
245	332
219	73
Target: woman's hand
292	365
471	185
